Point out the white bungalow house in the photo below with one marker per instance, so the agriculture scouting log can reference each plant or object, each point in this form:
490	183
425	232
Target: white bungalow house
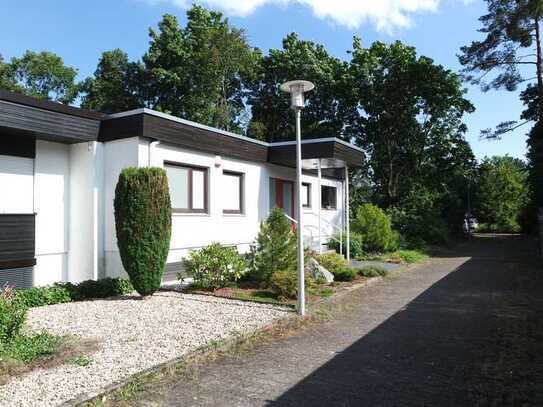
59	166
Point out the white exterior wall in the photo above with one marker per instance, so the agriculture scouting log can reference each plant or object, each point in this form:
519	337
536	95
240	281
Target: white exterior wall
85	259
51	204
17	177
117	155
194	230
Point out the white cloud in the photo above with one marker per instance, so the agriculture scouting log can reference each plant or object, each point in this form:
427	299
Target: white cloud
385	15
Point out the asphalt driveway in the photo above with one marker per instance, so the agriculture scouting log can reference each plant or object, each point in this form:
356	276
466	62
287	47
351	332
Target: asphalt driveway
447	333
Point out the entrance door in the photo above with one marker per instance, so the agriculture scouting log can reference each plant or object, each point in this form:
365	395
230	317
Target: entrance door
282	195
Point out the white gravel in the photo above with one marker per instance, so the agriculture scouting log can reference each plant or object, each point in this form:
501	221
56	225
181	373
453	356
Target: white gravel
134	335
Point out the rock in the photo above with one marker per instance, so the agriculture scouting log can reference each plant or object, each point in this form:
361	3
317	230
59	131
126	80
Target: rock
316	271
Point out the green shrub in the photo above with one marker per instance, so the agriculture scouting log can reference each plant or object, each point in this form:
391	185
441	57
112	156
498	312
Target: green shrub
285	283
345	274
332	262
26	348
39	296
374	228
12	315
67	292
372	271
408	256
356	245
275	248
143	221
214	266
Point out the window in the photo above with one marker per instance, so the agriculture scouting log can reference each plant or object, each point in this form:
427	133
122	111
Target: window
329	197
306	195
233	192
188	187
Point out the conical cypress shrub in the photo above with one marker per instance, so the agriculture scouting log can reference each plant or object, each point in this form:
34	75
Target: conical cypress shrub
143	221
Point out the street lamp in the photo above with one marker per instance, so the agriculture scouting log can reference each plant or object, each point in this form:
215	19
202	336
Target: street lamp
296	90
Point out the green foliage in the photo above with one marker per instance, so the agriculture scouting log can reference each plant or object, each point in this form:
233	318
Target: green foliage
407	256
12	315
42	75
67	292
333	262
373	227
143	221
26	348
275	247
502	192
214	266
345	274
372	271
356	244
115	85
81	360
285	283
409	121
419	220
326	110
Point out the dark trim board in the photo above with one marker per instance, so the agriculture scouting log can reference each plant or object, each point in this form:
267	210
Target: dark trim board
46	124
14	144
17	240
49	105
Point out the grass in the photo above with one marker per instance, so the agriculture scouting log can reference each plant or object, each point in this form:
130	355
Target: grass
263	296
372	271
27	348
33	351
408	256
80	360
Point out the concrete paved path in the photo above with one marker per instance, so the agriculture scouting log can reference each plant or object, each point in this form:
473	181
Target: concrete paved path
410	340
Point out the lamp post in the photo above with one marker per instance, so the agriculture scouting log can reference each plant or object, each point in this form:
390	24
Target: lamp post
296	90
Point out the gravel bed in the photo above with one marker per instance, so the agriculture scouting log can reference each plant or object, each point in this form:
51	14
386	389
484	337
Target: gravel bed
134	335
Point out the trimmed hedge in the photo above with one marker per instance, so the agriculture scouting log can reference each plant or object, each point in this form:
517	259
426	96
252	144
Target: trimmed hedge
143	222
67	292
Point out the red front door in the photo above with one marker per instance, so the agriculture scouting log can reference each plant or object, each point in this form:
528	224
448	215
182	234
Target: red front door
282	195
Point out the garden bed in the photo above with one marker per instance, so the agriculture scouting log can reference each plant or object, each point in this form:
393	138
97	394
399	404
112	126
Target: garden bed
131	335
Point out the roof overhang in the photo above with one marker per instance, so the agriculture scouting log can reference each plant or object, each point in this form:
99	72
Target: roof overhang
22	116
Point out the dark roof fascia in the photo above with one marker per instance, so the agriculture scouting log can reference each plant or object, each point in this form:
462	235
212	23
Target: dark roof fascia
49	105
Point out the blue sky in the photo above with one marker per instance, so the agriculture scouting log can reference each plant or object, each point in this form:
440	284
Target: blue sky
80	31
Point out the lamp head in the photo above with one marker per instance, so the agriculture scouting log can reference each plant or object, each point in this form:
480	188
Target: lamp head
297	89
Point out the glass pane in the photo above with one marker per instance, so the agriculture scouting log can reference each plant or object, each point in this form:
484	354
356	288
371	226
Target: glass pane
273	196
287	199
329	197
198	189
305	195
231	192
178	179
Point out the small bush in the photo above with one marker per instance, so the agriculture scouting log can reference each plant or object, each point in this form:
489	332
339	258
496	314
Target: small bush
356	244
214	266
332	262
372	271
408	256
26	348
12	315
285	283
68	292
345	274
275	247
143	222
374	228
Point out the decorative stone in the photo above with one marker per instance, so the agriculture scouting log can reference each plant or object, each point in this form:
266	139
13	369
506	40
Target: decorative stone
317	272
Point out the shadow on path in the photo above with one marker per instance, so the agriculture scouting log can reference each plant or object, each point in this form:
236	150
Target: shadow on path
427	353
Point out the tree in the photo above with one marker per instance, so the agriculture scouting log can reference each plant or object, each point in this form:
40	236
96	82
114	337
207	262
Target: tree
44	75
143	222
502	192
512	40
7	77
116	85
326	110
409	119
198	71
